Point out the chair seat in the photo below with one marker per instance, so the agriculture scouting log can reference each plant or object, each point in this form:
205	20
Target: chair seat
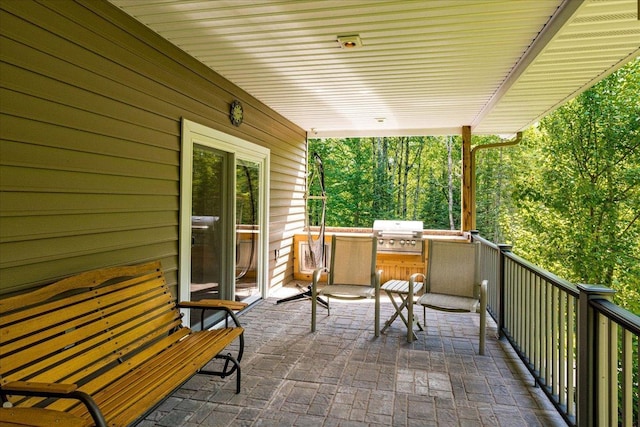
449	302
348	291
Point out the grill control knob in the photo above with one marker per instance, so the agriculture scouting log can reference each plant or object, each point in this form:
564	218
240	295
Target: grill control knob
381	241
413	243
402	242
391	241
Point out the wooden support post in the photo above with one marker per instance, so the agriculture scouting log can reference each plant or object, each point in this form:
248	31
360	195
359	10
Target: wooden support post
466	196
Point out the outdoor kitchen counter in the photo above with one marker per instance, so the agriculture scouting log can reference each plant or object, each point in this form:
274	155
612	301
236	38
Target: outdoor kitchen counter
393	266
427	234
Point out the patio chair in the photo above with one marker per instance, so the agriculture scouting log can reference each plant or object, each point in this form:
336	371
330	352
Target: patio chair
453	282
351	275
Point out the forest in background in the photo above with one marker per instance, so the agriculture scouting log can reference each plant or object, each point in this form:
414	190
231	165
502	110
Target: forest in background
567	197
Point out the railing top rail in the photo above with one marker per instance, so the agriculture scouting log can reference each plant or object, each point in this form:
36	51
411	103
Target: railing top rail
479	238
563	284
623	317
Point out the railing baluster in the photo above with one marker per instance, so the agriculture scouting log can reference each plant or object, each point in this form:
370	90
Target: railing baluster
520	284
571	348
604	380
529	319
613	372
562	349
549	342
544	328
627	378
535	356
509	300
552	341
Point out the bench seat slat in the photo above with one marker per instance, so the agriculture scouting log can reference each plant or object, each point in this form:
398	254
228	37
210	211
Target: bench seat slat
62	373
10	417
182	360
96	384
190	353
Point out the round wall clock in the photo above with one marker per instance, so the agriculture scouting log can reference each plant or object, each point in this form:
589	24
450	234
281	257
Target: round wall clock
235	113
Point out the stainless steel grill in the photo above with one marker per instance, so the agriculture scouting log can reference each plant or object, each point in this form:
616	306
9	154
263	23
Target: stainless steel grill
402	237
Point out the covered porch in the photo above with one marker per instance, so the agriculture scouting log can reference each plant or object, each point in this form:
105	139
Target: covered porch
92	108
343	376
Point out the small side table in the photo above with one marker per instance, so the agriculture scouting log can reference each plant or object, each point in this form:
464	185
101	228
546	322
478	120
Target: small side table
401	288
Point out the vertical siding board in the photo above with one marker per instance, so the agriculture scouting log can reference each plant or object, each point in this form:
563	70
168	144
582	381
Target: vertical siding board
91	109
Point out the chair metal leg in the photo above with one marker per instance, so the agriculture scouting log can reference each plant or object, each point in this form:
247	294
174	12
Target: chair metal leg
314	295
483	331
424	316
376	328
483	315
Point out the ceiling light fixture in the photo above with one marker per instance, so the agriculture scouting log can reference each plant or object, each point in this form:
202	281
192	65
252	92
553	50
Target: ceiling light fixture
350	42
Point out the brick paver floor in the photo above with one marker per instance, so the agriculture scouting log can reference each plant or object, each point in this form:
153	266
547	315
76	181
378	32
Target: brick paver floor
343	376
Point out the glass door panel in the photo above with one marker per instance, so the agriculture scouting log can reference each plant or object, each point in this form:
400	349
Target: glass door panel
208	221
248	233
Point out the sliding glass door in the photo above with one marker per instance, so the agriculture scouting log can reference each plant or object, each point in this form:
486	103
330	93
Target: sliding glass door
223	216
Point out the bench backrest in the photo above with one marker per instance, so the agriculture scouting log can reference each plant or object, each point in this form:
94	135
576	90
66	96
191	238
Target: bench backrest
74	329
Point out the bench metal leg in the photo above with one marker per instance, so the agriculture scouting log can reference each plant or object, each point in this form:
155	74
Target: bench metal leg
225	370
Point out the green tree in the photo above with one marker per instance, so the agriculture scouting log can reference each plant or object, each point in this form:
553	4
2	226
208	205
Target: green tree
578	198
348	182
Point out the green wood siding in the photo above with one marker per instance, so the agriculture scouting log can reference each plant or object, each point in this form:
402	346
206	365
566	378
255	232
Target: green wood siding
90	108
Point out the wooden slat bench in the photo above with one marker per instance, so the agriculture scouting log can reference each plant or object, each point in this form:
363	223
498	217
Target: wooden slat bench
106	346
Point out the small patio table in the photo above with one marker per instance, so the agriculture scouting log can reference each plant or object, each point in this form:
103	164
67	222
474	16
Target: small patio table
401	288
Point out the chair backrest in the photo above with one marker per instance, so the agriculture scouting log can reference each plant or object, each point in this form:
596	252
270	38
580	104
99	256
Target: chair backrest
353	260
453	268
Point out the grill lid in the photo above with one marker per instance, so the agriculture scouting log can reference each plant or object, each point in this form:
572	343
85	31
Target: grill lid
388	228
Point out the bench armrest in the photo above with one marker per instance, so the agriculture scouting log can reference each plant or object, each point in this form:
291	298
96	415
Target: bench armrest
215	304
56	390
219	304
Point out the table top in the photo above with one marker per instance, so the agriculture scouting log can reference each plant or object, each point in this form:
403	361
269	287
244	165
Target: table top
400	286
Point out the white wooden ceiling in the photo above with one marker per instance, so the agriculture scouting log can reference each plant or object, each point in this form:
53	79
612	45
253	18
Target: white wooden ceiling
426	67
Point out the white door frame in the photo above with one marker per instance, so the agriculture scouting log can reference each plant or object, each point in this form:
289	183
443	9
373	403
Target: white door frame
194	133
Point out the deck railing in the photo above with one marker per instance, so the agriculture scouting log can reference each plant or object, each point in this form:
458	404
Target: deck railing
581	349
